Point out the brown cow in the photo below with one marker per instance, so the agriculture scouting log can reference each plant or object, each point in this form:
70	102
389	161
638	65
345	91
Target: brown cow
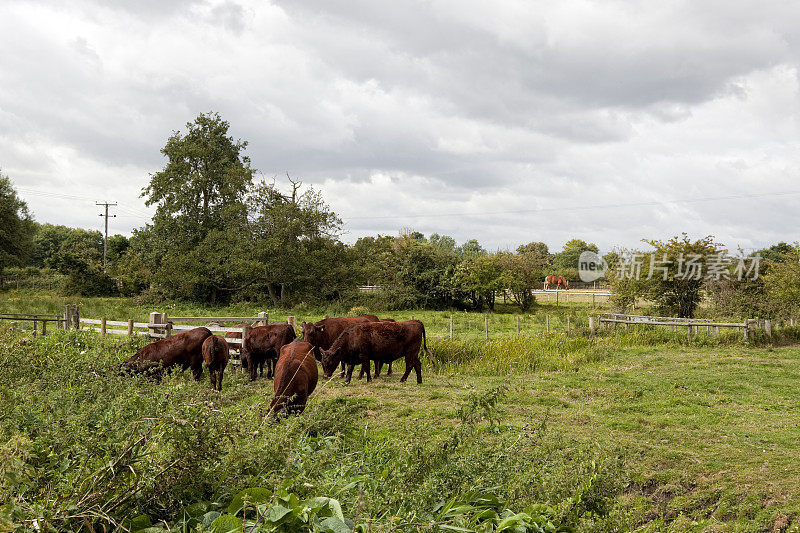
379	364
296	377
215	355
184	349
236	335
324	333
379	341
262	345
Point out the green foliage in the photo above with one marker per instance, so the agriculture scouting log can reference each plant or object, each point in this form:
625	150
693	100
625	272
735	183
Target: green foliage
678	294
523	272
80	258
200	213
16	227
566	261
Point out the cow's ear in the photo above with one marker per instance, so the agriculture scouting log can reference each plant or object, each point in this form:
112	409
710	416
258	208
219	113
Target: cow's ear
322	328
304	323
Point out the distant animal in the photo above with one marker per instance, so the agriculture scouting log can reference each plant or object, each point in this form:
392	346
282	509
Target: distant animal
558	281
215	355
296	377
184	349
236	335
377	341
262	345
324	333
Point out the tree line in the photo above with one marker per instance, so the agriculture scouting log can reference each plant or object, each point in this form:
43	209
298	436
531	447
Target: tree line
222	234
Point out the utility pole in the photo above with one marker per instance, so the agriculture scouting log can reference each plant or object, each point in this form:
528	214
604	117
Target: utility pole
105	240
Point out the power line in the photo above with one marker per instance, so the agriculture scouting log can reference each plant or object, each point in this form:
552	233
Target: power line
579	208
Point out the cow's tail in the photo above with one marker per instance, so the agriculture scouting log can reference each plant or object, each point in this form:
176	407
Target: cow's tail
424	342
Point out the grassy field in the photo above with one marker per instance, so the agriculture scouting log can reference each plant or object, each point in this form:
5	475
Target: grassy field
466	325
627	431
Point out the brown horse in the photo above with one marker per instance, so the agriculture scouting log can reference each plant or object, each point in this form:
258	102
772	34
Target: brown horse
558	281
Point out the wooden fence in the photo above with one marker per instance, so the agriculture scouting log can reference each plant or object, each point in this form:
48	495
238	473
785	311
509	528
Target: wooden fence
160	325
36	320
692	325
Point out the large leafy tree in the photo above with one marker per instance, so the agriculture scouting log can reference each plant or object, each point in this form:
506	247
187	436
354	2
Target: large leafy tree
200	213
294	243
16	227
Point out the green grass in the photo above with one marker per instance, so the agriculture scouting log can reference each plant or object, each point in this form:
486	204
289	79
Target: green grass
649	430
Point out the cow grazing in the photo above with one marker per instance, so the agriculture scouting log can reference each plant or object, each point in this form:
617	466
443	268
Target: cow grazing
262	345
379	341
324	333
184	349
215	356
296	377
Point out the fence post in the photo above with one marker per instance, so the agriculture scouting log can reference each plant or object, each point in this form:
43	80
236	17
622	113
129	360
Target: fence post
35	327
568	325
591	325
290	320
556	298
167	325
689	332
517	324
102	327
130	327
592	299
245	331
44	328
768	327
155	319
265	316
486	325
451	327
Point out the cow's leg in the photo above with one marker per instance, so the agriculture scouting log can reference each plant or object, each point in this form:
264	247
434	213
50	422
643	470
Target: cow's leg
349	374
343	370
366	366
212	376
418	370
389	372
253	368
220	372
408	368
197	370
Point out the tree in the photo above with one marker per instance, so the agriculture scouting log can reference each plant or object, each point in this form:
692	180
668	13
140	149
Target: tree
525	271
290	231
479	277
469	249
566	261
16	227
779	253
199	198
672	276
80	259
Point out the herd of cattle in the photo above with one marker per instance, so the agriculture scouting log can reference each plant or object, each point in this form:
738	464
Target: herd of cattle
292	362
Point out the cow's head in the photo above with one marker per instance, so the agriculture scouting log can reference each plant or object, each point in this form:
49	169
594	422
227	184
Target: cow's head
330	360
311	331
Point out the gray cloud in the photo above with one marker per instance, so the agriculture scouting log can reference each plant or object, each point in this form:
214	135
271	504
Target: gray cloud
412	109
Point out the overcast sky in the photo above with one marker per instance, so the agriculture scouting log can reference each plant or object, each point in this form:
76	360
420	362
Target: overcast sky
507	121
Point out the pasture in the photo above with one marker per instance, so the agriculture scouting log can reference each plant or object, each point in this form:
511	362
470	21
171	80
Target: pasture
637	430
